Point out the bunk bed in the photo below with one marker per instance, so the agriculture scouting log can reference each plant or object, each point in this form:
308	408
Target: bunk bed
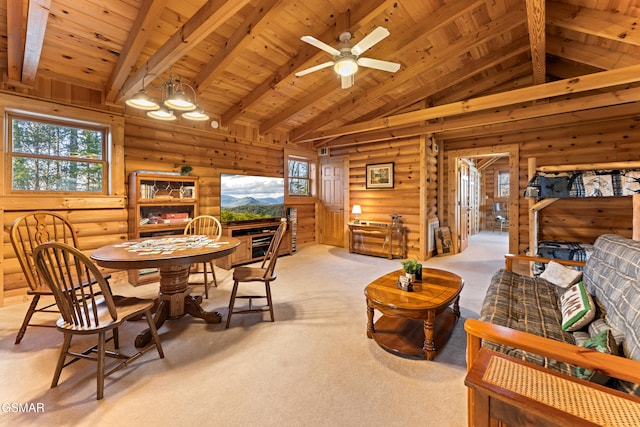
548	184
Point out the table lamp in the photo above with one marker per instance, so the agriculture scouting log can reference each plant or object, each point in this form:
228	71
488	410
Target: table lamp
357	210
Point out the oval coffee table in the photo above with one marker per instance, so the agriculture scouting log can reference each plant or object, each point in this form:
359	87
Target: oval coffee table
413	323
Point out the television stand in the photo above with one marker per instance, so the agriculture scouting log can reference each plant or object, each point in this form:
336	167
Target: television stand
255	238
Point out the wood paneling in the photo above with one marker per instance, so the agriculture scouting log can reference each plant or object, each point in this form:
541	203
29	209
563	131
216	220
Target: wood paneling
404	199
98	220
580	220
150	145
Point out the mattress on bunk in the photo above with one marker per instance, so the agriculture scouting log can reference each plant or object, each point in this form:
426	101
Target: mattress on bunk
596	183
576	251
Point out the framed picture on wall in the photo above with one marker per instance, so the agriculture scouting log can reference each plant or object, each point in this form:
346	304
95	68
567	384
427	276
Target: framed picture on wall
380	175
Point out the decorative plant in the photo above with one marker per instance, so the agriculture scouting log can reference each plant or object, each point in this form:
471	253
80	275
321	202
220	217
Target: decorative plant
186	169
410	266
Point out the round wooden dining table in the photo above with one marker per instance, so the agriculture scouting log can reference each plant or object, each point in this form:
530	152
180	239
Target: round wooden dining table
173	256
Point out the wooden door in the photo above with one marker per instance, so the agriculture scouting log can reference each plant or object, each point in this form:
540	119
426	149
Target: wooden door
463	204
331	218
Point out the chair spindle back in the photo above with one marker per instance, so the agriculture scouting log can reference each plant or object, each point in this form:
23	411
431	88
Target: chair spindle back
76	283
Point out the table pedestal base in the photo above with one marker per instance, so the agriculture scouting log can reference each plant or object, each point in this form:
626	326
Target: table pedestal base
175	301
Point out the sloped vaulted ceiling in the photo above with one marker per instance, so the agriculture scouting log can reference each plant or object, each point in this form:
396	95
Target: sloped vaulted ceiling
458	58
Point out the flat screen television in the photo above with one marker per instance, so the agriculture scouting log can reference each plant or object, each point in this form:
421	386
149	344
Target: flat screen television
250	198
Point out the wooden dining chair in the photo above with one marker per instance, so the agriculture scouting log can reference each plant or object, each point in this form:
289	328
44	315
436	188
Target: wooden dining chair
87	307
266	273
27	232
209	226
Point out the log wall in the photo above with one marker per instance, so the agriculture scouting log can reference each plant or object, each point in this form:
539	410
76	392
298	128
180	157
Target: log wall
415	185
581	220
98	219
138	143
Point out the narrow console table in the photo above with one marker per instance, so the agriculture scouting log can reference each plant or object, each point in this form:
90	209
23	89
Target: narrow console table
377	239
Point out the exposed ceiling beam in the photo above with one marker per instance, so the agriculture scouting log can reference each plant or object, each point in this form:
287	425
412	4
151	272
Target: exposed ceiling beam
536	25
423	92
140	32
204	22
37	18
608	25
508	79
236	43
360	17
440	18
484	120
562	87
15	15
443	82
595	56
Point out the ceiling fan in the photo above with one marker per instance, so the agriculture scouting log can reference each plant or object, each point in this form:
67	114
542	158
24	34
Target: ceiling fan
346	58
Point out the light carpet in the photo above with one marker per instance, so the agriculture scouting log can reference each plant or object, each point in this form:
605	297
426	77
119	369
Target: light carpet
313	367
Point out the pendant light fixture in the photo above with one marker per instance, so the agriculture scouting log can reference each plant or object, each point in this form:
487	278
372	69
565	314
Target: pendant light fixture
173	98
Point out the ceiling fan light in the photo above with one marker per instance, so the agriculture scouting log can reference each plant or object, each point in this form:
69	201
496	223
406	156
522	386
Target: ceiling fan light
142	101
162	114
198	115
346	66
179	101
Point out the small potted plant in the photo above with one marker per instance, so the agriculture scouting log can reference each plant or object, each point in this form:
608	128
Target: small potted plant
185	169
411	267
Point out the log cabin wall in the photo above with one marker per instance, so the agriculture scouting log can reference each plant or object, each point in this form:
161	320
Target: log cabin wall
151	145
415	186
489	182
581	220
98	219
137	143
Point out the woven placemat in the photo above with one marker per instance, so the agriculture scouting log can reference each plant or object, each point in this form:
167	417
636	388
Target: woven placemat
584	402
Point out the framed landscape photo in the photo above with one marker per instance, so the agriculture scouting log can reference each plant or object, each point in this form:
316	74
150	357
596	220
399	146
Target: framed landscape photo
380	175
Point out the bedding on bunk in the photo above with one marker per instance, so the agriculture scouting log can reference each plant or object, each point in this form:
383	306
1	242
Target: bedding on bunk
593	183
576	251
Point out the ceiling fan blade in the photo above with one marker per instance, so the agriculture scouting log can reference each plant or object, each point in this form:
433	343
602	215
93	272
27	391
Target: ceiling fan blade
347	81
392	67
369	40
320	45
315	68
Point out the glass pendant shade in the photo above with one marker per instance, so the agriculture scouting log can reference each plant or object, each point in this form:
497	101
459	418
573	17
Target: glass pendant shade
162	114
142	101
346	66
179	101
198	114
175	99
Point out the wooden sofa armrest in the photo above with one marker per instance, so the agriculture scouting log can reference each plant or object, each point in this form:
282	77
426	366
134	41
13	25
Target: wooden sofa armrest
613	366
509	259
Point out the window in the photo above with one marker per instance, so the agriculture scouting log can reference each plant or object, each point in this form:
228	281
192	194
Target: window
49	155
502	184
299	182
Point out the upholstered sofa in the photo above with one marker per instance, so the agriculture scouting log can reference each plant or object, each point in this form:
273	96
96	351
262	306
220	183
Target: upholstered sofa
523	316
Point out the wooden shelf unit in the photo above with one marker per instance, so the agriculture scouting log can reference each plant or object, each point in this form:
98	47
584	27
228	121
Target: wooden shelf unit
255	238
159	204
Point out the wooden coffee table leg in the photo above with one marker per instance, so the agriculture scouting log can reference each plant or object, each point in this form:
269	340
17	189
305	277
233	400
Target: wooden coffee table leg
456	307
429	344
370	328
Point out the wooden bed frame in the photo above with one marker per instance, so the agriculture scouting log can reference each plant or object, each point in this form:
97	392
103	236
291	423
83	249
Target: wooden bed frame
537	206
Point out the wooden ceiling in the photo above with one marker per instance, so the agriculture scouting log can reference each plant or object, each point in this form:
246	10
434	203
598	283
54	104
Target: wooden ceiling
459	58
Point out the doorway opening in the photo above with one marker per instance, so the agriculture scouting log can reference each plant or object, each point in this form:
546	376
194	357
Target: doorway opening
470	209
